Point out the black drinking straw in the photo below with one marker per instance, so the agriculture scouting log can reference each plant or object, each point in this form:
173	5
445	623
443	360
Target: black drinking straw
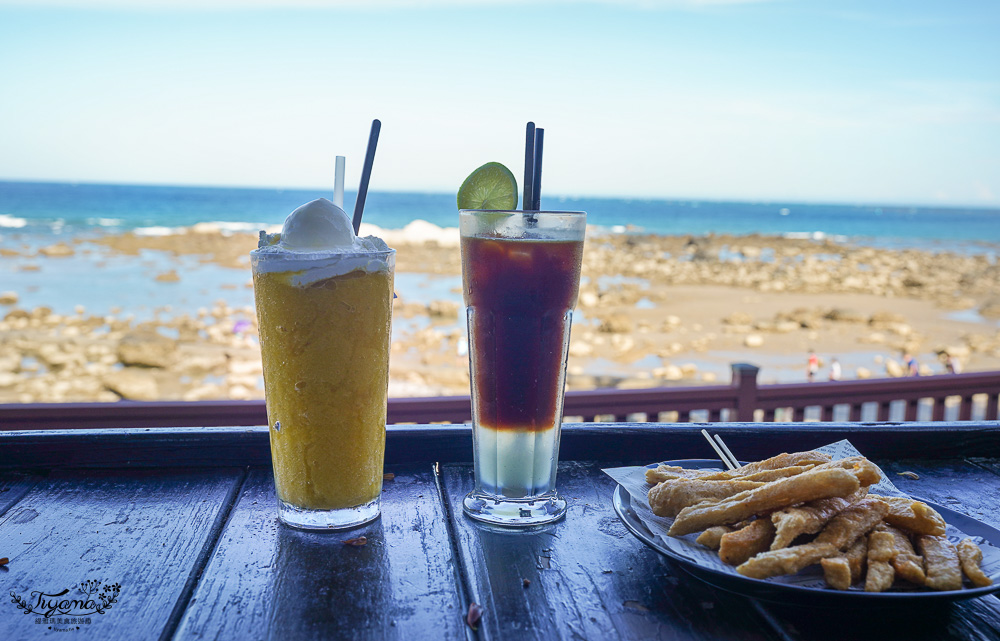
529	164
366	174
536	179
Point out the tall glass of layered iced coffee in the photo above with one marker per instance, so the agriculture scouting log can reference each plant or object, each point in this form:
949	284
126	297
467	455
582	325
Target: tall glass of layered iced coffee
521	276
324	308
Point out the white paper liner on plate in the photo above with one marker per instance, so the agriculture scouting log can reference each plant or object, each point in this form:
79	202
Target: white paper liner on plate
633	479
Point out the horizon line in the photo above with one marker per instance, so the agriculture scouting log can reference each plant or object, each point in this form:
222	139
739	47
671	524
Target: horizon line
709	199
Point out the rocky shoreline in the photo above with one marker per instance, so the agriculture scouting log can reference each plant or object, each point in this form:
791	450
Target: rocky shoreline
655	310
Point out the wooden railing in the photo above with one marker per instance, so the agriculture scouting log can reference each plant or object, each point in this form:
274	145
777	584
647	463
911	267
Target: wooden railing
960	397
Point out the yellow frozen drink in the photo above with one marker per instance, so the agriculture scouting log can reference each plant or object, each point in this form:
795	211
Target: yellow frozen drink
324	309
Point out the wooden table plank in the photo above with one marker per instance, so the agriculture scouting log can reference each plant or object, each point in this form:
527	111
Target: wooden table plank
13	486
958	485
143	530
589	577
268	581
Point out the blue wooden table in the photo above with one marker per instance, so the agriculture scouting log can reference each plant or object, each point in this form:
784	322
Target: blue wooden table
172	534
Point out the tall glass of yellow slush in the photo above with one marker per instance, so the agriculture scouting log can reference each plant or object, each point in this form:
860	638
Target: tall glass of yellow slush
324	309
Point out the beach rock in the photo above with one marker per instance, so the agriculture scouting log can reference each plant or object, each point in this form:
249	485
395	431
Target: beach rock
589	299
883	320
59	250
990	309
9	379
169	276
443	309
839	315
8	298
145	348
617	324
738	318
753	340
202	362
893	368
862	373
133	383
580	348
669	372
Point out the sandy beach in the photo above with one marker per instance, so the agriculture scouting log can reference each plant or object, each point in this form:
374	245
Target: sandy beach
653	310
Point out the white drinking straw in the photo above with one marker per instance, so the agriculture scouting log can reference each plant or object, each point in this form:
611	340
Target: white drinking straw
338	183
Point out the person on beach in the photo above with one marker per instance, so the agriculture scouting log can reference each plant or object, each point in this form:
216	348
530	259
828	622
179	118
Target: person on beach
911	365
812	366
951	364
835	370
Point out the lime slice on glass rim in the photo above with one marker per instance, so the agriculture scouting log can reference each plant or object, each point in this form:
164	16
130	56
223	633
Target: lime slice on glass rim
491	186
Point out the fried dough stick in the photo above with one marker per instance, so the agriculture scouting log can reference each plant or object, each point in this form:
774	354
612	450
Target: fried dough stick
866	471
941	563
786	560
881	551
913	516
970	556
736	547
670	497
808	486
672	473
810	518
836	572
783	460
712	537
853	522
905	561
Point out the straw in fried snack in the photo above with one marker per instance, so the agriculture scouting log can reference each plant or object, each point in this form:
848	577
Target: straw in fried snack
786	560
941	563
736	547
857	519
810	518
808	486
970	556
881	551
712	537
837	572
913	516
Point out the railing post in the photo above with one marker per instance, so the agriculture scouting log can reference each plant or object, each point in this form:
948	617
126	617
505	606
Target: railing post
745	383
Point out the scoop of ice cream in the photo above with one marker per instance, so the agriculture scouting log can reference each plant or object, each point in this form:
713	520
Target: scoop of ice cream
317	225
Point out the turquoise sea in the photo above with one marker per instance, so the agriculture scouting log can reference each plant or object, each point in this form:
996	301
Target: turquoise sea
35	215
56	209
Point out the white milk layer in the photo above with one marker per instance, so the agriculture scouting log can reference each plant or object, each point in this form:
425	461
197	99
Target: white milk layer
515	463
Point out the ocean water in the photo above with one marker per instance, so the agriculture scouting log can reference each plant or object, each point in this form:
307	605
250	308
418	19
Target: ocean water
46	210
35	215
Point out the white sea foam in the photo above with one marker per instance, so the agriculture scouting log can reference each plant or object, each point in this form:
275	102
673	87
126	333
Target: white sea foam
156	231
12	222
415	232
106	222
225	228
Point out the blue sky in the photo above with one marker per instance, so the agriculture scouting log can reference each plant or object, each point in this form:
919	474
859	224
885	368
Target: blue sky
849	101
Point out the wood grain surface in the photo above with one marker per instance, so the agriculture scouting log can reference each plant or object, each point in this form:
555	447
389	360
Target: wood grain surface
269	581
141	529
